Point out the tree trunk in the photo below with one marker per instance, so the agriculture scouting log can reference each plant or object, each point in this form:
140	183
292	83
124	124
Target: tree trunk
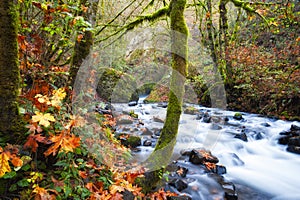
84	45
163	151
10	123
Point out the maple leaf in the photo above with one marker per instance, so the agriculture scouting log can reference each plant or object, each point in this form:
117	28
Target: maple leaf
34	128
59	94
32	140
4	165
16	161
63	142
43	119
42	194
113	189
42	99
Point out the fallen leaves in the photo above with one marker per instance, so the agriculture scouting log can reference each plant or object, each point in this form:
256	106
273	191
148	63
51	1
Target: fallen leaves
43	119
6	155
63	142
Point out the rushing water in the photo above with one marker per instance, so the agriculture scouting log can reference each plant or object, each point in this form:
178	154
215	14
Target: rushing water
260	162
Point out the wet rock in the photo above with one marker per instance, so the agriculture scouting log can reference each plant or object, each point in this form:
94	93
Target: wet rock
284	133
238	116
201	156
230	191
147	131
182	171
294	141
206	118
295	128
220	169
293	149
147	143
129	140
132	103
124	119
258	136
185	152
178	184
159	120
241	136
103	111
162	105
284	140
199	116
155	136
226	119
157	131
136	149
265	124
191	111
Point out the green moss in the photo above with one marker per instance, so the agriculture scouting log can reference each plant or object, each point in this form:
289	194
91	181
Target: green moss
116	86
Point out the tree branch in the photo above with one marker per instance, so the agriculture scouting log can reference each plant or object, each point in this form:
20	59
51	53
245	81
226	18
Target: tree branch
151	17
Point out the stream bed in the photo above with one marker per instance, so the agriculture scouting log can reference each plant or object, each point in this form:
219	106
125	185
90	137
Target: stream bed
247	145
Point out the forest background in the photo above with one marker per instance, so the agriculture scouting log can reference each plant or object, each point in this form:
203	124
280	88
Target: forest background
254	46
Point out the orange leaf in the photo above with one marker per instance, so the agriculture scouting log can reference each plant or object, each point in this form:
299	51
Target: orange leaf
63	142
31	143
83	174
113	189
17	162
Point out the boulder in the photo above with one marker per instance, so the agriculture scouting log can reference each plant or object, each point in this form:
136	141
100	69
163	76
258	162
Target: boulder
191	110
159	120
124	119
230	191
116	86
201	156
238	116
132	103
179	184
293	149
147	143
129	140
241	136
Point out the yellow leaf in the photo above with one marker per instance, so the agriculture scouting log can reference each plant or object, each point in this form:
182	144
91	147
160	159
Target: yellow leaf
43	119
113	189
42	99
59	94
4	166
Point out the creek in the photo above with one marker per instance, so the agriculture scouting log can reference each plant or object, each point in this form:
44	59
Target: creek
259	167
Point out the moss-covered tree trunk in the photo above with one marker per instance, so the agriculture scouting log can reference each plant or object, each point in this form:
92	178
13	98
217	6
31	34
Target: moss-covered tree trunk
9	72
179	65
83	45
225	66
163	151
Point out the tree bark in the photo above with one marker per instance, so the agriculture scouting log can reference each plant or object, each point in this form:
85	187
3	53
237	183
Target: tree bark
10	123
82	47
161	156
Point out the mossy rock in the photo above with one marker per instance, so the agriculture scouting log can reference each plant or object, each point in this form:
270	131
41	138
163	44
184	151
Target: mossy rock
191	110
116	87
129	140
238	116
146	88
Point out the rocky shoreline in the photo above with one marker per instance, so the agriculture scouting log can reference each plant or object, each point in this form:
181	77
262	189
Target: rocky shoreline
196	173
